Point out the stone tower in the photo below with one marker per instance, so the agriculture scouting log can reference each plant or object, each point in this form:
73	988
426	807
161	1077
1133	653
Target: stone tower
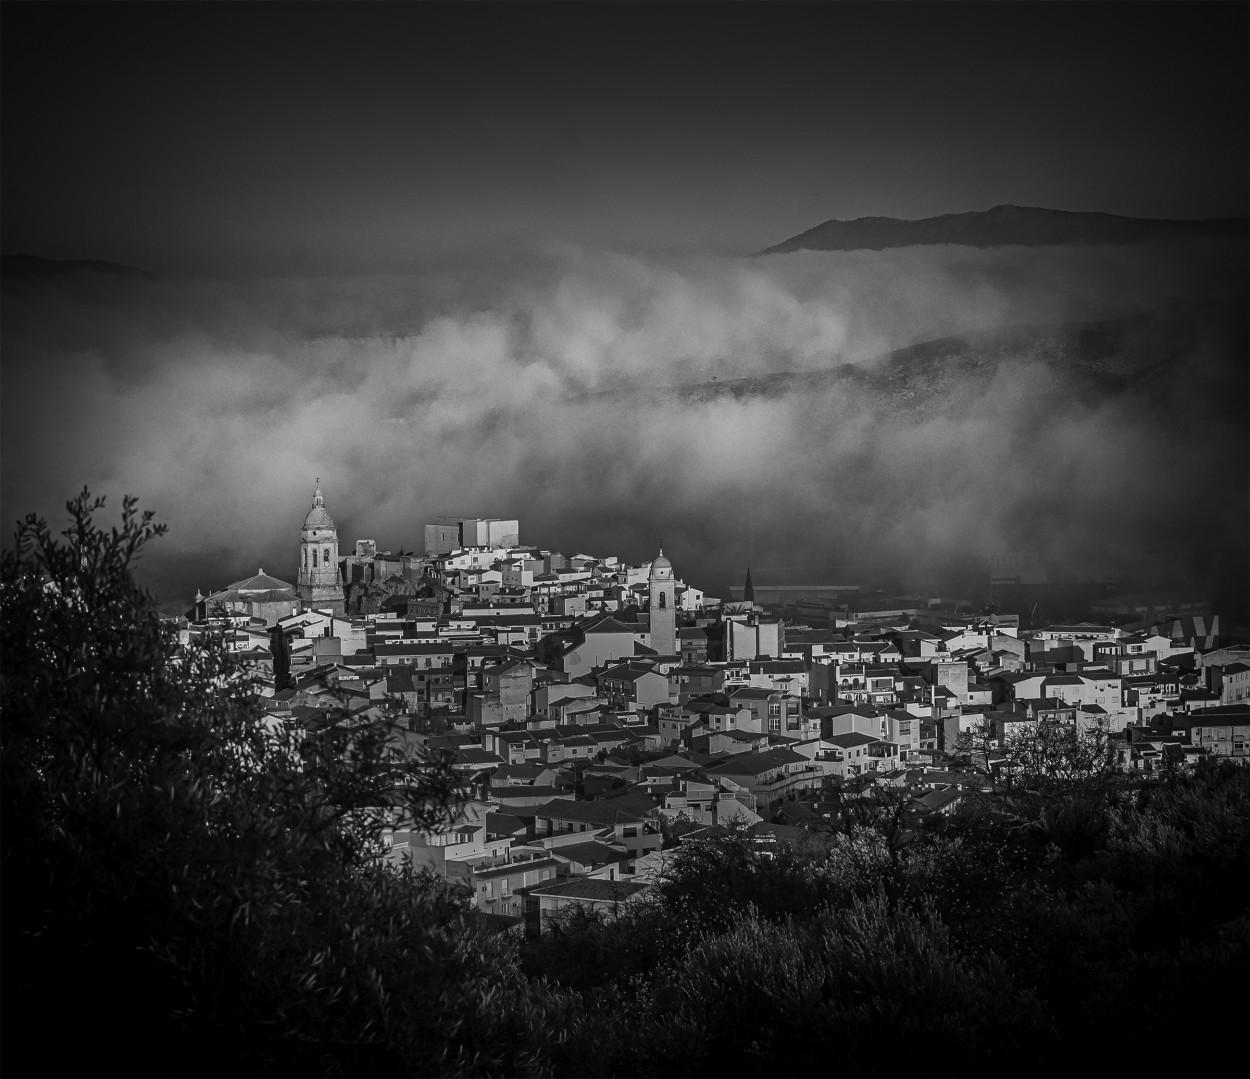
320	584
663	606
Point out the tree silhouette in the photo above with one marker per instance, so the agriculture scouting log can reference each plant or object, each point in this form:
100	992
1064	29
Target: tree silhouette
177	871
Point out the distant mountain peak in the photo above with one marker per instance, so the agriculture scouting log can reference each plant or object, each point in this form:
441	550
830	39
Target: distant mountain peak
1001	226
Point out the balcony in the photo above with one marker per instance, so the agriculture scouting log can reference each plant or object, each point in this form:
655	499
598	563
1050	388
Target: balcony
510	858
809	773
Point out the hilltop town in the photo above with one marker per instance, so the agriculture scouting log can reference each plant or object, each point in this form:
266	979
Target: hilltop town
601	713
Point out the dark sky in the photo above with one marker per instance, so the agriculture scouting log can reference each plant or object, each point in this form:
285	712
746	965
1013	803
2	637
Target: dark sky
297	137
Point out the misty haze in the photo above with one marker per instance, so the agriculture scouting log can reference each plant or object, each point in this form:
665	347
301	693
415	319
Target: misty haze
1081	403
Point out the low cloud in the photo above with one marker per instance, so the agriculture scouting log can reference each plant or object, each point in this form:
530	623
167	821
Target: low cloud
537	390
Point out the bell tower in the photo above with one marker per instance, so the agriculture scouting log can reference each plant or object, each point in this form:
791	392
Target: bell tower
662	589
320	585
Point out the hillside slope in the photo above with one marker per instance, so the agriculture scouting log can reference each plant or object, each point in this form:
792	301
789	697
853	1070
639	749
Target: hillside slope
1095	359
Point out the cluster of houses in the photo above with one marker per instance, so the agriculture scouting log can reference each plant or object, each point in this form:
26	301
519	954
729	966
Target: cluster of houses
601	712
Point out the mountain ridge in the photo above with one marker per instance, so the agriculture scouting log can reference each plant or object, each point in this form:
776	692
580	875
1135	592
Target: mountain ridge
1002	226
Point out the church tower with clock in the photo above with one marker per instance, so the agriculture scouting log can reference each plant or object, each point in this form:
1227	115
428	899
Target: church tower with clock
320	585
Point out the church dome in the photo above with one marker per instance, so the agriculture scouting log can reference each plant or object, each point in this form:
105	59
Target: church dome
661	566
318	516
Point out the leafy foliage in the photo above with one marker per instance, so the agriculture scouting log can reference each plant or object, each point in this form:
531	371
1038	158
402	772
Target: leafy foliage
159	837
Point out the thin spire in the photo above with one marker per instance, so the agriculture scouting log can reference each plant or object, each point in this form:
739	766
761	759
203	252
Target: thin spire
748	590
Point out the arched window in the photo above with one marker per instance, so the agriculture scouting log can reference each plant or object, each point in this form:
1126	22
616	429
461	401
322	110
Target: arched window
663	600
314	558
325	557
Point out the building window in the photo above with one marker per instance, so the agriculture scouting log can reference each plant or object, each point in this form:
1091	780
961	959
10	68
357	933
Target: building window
314	558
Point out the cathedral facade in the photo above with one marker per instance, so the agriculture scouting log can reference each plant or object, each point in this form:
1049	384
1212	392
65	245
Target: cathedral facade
320	581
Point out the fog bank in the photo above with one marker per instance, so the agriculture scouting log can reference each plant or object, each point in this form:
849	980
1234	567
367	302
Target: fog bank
219	402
